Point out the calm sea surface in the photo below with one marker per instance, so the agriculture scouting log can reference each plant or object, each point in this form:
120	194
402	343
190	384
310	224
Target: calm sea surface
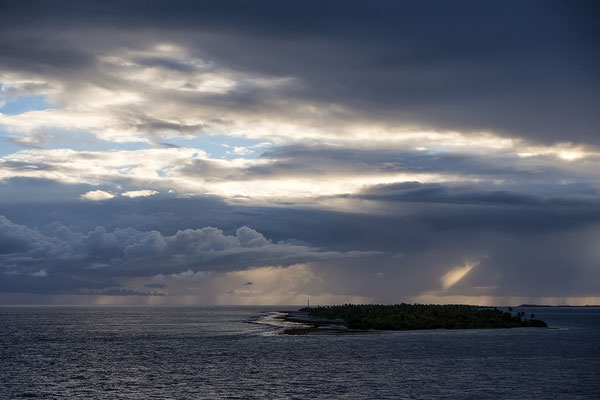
209	353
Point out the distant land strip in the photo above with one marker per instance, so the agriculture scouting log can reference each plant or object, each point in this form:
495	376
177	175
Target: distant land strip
362	318
560	305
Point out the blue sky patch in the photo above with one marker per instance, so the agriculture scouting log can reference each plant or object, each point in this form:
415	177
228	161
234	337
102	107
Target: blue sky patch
24	103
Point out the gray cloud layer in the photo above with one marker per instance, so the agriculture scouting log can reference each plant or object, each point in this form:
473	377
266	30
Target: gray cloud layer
522	68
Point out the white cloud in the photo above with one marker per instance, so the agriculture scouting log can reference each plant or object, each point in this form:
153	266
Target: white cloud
139	193
140	94
97	195
191	171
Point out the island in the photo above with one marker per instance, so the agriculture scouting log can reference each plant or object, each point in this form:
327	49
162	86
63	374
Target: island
356	318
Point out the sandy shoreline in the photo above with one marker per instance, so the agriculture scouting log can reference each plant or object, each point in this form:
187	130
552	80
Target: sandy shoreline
317	326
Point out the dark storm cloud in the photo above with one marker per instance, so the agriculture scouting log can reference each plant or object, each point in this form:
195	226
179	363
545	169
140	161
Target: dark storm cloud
470	209
155	285
565	195
50	284
437	193
525	68
530	246
36	190
99	253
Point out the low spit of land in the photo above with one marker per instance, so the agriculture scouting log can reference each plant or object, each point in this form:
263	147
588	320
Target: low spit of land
359	318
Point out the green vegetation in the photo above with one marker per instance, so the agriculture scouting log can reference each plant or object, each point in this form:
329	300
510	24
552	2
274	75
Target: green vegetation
421	316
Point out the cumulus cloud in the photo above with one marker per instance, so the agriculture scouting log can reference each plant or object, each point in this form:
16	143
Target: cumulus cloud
130	252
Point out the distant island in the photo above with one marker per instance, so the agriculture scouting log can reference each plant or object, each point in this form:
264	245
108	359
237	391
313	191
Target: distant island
402	317
558	306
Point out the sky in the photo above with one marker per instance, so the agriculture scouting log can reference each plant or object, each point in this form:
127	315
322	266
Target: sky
256	152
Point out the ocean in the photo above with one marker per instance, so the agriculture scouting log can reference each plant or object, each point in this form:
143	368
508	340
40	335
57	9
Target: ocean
122	352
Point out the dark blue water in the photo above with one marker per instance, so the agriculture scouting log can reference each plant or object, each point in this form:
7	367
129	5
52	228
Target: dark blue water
208	353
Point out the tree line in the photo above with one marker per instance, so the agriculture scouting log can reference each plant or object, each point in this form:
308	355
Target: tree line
422	316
